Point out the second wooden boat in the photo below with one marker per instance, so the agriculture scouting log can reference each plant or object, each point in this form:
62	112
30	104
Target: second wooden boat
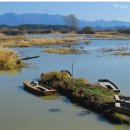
105	83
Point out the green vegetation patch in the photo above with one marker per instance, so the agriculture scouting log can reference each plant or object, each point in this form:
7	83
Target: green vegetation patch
78	87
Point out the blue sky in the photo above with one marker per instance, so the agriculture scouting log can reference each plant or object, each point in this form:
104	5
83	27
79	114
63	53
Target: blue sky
83	10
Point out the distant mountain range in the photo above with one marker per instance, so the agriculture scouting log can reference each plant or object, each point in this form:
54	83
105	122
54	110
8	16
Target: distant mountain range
47	19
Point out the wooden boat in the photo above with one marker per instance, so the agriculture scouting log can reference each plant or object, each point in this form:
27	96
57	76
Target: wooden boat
122	99
105	83
38	89
122	108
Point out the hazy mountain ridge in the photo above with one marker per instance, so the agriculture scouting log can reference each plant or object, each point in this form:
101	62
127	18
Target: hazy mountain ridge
33	18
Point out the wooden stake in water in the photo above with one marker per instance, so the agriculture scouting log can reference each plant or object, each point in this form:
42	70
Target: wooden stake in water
72	76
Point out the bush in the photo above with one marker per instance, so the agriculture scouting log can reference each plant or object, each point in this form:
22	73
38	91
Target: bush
88	30
9	59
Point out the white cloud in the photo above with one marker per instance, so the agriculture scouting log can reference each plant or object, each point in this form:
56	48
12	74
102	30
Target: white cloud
120	6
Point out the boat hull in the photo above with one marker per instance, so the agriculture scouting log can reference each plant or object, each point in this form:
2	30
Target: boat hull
29	88
122	108
105	83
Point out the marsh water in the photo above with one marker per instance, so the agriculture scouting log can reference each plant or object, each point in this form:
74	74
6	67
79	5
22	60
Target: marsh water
20	110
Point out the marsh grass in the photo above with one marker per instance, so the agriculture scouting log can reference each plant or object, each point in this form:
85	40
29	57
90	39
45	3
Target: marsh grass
65	50
114	49
19	41
9	59
122	53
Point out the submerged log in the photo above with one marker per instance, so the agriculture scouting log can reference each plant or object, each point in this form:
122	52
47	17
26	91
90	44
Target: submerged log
27	58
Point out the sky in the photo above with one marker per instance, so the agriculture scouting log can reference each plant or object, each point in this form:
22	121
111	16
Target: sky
89	11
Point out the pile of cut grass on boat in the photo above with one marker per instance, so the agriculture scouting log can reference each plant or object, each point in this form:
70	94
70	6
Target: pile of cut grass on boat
65	50
78	86
20	41
9	59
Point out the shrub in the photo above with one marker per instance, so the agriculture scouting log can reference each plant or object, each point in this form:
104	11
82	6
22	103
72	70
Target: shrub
88	30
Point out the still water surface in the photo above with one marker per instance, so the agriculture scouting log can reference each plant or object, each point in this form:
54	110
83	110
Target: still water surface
20	110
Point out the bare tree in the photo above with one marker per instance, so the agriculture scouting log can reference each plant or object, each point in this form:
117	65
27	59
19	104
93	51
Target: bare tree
71	21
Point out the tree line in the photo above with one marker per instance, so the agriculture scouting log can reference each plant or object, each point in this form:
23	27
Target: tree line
71	25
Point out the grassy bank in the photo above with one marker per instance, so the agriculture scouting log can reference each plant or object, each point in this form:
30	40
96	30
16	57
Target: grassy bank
88	95
65	50
19	41
9	59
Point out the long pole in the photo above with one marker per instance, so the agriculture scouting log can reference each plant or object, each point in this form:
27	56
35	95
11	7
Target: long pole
72	76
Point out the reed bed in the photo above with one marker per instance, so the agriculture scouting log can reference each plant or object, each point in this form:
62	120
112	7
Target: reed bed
9	59
17	41
114	49
64	50
122	53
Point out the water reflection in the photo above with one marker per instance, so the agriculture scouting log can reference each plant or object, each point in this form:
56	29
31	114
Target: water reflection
122	127
10	72
50	98
84	113
54	110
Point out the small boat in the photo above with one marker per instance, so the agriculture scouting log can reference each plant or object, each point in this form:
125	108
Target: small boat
38	89
122	108
105	83
122	99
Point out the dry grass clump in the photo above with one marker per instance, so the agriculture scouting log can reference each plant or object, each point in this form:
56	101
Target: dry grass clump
9	59
44	41
65	50
21	43
102	35
70	39
14	41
